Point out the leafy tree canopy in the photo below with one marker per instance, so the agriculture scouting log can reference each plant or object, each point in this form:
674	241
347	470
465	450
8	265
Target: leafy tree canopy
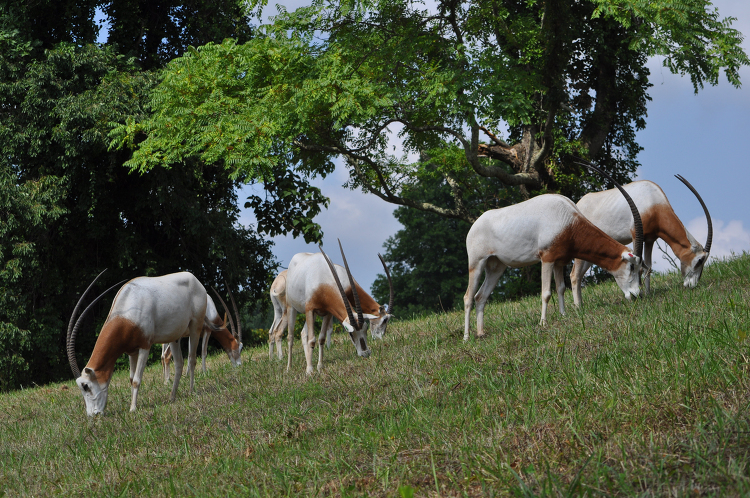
68	208
542	82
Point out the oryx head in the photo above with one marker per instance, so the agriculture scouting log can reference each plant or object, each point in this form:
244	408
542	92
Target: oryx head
356	326
234	348
628	275
93	389
692	270
379	322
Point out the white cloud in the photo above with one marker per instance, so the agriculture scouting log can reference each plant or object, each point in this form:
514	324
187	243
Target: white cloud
729	238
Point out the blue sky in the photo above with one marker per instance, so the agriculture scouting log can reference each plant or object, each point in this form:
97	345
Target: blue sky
701	137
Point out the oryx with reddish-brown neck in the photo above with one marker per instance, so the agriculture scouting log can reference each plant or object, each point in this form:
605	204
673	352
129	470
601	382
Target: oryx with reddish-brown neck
607	211
313	287
548	228
146	311
222	329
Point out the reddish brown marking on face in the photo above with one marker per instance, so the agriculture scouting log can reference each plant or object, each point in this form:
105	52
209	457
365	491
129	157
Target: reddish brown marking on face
581	239
118	336
226	339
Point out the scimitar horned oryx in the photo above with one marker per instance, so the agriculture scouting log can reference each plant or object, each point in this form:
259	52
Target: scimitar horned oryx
145	311
547	228
277	293
607	211
222	329
313	287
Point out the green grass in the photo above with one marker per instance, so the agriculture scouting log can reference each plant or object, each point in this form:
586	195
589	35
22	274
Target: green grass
623	398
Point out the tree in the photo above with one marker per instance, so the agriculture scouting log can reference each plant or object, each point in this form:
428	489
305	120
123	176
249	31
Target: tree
568	79
69	209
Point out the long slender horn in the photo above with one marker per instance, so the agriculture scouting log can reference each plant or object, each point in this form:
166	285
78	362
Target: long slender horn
226	310
237	313
710	237
360	318
71	336
341	290
390	285
638	242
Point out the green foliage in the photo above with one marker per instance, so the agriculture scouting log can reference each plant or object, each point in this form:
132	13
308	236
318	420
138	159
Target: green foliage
70	209
568	79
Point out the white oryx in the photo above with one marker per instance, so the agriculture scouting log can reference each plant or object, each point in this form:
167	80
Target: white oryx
278	300
146	311
213	323
548	228
313	287
607	211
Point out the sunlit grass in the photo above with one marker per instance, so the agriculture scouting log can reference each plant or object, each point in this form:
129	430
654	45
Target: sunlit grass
620	398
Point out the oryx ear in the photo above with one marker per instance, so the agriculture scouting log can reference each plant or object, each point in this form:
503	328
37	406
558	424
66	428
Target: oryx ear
225	318
369	316
90	373
382	310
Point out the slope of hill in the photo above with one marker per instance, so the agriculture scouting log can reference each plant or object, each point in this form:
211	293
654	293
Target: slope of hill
621	398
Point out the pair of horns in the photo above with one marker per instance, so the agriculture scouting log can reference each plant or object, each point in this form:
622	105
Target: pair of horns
638	243
360	321
70	340
238	335
710	237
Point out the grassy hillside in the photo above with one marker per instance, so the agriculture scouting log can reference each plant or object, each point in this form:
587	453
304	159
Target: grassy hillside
647	397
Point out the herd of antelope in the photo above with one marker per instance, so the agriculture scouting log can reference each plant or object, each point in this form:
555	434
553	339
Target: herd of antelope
549	228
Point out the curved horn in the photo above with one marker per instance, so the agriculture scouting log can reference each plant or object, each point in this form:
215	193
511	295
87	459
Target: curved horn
638	242
226	310
71	337
710	237
341	290
360	318
236	313
390	285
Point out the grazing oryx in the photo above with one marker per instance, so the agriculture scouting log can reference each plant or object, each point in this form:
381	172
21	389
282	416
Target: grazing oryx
275	333
607	211
213	322
313	287
146	311
548	228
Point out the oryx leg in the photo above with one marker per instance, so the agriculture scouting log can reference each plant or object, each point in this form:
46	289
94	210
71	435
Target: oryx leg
493	270
559	272
647	248
328	334
136	373
193	339
291	315
166	356
474	274
278	335
272	336
580	267
326	327
547	269
308	338
179	363
204	349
